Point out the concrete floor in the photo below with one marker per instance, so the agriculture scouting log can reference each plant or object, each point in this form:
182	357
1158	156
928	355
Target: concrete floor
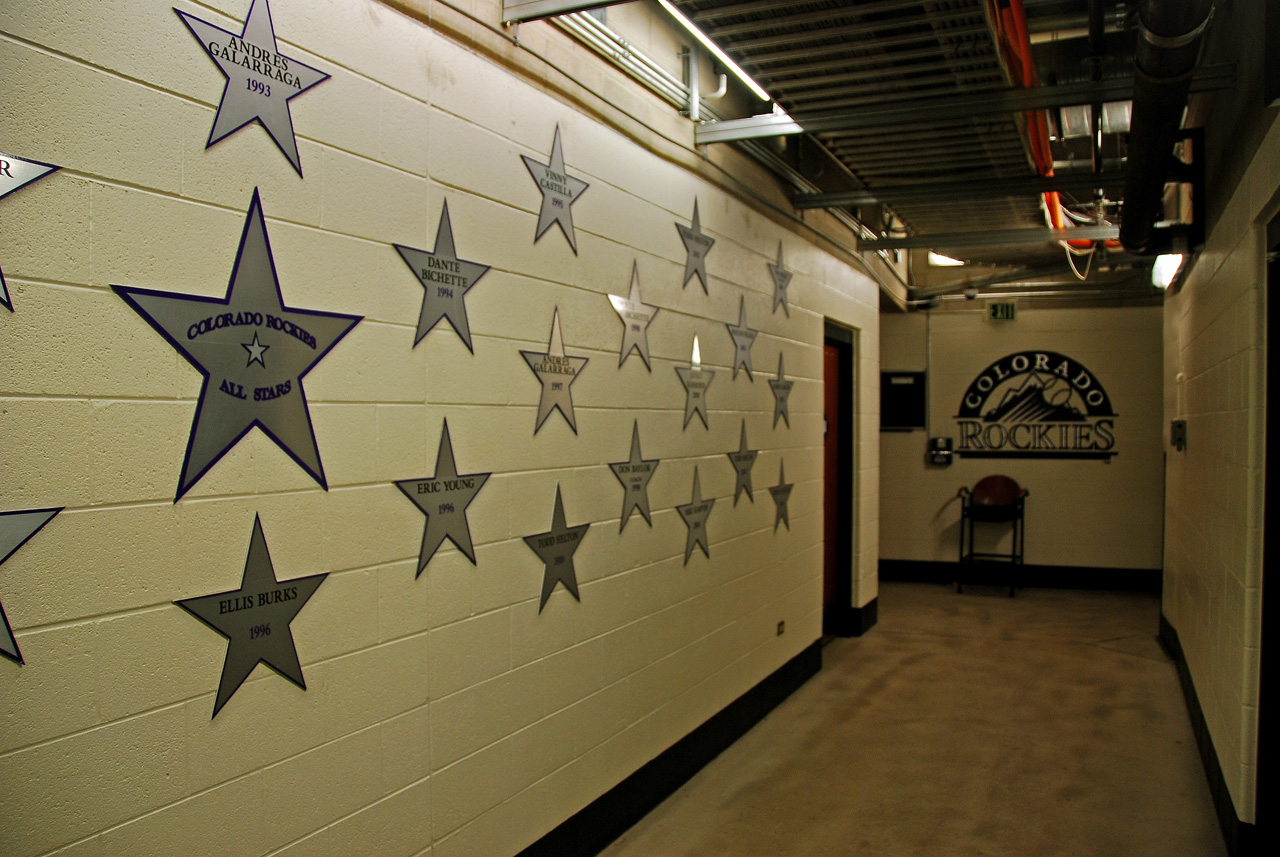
963	724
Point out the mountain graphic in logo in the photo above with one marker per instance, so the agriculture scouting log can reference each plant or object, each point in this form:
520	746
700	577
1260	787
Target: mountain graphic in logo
1036	404
1039	399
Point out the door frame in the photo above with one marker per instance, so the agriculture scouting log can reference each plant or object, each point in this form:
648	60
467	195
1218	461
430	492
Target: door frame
842	618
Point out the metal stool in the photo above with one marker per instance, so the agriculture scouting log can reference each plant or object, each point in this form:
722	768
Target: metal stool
995	499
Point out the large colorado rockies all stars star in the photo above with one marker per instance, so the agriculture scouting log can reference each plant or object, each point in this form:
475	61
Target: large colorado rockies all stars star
262	388
260	79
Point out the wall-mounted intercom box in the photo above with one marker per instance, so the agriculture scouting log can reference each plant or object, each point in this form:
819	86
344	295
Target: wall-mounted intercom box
940	451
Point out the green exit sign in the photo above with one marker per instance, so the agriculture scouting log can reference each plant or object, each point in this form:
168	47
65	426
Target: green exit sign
1002	310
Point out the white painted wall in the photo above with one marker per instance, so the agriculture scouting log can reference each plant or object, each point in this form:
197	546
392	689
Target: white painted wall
1214	378
442	715
1079	513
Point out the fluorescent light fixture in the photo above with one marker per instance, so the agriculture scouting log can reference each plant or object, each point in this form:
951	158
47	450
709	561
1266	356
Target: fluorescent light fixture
715	49
937	260
1165	270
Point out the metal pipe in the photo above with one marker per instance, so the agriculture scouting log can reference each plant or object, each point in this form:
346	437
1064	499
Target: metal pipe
1169	36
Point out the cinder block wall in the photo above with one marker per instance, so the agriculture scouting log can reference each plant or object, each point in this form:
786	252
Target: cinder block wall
442	715
1101	514
1215	379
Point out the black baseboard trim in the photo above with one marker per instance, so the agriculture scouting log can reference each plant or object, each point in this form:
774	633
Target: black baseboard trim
1038	576
587	832
1240	836
841	621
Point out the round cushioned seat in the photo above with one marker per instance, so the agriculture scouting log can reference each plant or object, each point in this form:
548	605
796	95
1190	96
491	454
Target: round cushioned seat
996	498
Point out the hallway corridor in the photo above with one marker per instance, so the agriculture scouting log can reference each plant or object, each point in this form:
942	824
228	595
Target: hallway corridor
1047	724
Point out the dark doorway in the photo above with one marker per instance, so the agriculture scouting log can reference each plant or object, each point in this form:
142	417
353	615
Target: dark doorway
838	379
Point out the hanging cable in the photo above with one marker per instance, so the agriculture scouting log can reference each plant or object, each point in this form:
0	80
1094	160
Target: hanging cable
1073	252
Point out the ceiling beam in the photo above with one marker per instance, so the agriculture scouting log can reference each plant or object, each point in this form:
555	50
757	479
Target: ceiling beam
963	190
950	107
516	11
991	238
963	19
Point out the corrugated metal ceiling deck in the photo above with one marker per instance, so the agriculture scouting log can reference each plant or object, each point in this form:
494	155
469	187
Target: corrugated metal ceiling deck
817	56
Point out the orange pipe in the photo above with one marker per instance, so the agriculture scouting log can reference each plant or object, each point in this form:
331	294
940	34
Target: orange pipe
1015	42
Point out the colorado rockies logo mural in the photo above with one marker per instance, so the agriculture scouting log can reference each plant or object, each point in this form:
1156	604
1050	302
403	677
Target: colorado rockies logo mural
1036	404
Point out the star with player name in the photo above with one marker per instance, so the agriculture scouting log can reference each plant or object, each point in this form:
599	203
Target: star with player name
256	619
636	316
559	192
696	380
444	499
781	395
696	244
695	514
557	372
18	172
634	474
555	548
781	279
743	337
445	279
260	79
743	460
781	493
16	528
265	392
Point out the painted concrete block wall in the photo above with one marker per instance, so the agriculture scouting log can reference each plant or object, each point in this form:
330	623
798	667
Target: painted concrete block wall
1079	513
443	715
1214	378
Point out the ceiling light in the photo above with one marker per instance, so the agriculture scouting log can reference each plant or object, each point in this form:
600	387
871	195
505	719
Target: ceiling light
715	49
937	260
1165	270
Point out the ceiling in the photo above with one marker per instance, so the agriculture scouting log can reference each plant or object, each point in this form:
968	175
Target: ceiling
947	124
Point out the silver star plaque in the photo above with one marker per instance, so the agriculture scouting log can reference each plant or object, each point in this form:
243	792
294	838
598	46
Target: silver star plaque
743	337
635	315
16	528
695	514
634	474
696	245
557	372
17	172
214	334
446	279
781	493
556	548
444	499
696	380
260	79
255	619
781	395
559	192
743	460
781	279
